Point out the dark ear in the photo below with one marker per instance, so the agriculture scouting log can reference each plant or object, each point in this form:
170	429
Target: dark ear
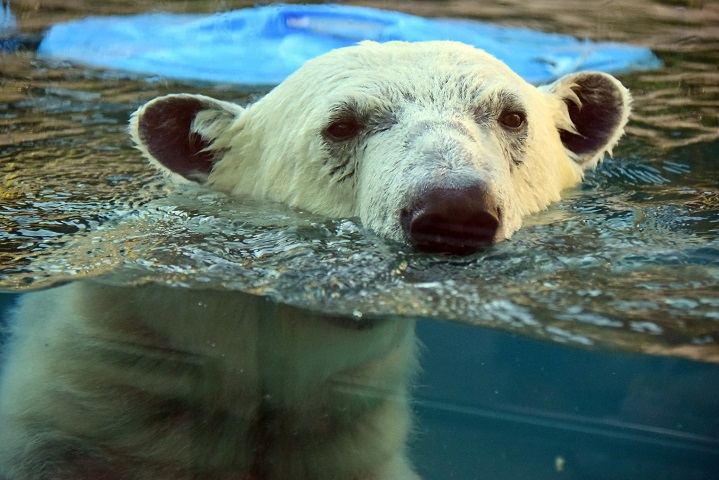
178	133
594	108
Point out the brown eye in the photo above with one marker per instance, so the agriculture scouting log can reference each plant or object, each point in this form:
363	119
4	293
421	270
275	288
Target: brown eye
512	120
343	129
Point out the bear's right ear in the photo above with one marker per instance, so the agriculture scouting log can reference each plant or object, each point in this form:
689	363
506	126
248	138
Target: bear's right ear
178	133
593	108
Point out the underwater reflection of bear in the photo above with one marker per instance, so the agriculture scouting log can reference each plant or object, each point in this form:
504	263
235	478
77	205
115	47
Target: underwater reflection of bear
436	144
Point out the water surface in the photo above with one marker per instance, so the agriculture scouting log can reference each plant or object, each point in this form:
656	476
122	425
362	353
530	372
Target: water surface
627	261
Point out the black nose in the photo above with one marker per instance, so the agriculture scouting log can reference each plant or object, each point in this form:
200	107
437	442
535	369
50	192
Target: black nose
457	221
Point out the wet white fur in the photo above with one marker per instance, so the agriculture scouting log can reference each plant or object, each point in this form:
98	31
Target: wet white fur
274	147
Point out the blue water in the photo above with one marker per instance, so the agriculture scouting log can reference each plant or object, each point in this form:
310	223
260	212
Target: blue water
494	405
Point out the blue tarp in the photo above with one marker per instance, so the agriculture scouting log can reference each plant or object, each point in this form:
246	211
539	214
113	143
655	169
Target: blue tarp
264	45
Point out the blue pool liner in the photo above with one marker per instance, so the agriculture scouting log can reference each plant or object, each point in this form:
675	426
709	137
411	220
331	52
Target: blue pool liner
262	46
9	34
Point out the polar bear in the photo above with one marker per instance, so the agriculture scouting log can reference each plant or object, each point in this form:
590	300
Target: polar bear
437	145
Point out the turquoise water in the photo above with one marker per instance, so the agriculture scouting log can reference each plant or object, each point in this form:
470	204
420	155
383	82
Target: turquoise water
584	348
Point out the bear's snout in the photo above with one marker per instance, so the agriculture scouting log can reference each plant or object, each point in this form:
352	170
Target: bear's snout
459	221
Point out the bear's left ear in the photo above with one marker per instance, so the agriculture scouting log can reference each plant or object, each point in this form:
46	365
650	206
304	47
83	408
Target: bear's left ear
179	133
592	111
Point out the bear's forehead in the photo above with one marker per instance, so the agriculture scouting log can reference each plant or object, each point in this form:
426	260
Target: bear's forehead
417	54
395	72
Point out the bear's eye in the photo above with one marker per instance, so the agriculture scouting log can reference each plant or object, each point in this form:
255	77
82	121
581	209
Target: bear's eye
512	119
343	129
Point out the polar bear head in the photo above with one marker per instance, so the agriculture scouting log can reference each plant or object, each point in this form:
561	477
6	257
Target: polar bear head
436	144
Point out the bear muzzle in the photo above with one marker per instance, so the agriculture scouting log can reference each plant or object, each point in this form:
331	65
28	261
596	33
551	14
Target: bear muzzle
458	221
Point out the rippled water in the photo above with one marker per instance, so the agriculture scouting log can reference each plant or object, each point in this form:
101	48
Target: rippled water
628	261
